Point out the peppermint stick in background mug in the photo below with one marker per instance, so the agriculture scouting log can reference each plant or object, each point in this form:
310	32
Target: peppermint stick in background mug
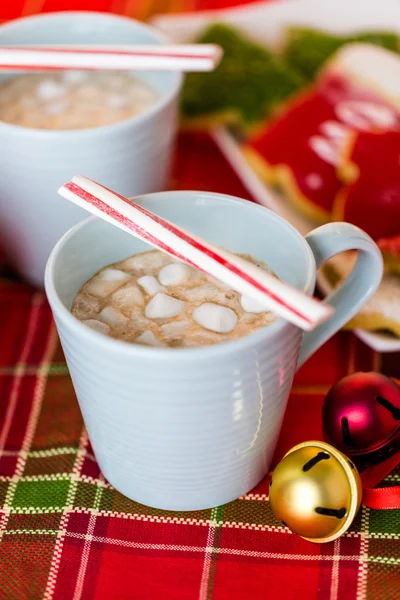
188	57
243	276
185	428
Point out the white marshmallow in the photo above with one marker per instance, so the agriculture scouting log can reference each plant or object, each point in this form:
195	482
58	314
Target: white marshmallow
106	282
113	275
48	90
164	307
148	262
148	338
74	76
215	317
97	326
100	288
111	316
252	306
150	285
175	327
128	296
175	274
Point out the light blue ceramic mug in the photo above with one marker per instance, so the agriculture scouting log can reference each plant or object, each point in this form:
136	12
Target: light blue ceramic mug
187	429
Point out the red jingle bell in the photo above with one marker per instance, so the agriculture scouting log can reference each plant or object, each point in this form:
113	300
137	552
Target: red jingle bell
361	418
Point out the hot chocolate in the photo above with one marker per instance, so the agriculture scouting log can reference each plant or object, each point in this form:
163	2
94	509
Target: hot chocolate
73	99
154	300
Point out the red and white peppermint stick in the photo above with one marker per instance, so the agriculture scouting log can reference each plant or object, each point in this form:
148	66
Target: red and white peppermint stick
176	57
286	301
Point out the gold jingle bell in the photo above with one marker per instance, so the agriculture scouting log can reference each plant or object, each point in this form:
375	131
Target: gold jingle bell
316	491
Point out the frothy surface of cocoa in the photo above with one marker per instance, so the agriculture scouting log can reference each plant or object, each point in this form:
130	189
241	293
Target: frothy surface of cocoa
127	301
73	99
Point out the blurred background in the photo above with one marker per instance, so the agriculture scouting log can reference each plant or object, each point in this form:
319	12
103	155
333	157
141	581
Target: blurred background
139	9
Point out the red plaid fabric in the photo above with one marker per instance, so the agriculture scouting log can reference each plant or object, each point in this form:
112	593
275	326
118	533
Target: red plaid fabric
65	533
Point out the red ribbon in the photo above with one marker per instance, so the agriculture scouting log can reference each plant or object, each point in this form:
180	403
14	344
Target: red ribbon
383	498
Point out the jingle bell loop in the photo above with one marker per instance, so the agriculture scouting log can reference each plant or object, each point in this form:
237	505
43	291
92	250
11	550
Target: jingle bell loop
316	491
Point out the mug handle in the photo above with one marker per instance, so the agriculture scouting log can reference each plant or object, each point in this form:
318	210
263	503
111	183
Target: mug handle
325	242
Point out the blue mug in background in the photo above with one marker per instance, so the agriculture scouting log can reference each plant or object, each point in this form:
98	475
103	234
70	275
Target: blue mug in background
131	157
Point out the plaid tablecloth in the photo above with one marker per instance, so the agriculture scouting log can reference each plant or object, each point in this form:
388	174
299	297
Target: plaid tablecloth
65	533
